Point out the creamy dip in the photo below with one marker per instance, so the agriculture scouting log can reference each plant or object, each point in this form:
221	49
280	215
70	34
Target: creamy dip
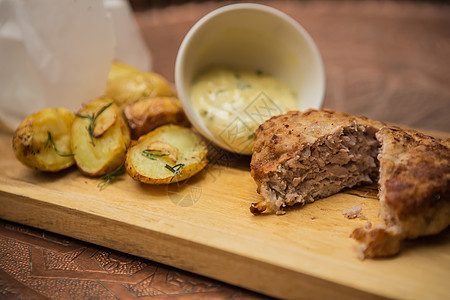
233	103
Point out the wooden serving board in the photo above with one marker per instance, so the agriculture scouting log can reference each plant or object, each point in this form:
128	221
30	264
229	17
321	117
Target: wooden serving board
204	226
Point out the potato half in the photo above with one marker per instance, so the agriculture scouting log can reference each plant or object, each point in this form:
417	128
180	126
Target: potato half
127	84
100	137
42	140
147	114
170	153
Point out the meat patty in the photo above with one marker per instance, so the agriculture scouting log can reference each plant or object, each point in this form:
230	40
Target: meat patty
414	191
300	157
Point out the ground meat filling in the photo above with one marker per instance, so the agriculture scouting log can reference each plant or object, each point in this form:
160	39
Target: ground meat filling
343	159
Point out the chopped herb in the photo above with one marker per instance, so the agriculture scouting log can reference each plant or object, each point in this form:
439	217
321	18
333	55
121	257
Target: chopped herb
220	91
106	179
92	118
176	170
50	140
242	85
149	153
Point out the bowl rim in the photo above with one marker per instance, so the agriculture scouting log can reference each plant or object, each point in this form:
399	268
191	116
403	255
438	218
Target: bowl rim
181	57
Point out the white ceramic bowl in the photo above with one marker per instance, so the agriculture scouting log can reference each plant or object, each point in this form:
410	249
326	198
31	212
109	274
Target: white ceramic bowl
254	37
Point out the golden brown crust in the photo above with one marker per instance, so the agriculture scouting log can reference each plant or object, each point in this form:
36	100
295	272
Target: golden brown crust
414	176
42	140
417	171
145	115
282	137
377	241
126	84
414	180
414	191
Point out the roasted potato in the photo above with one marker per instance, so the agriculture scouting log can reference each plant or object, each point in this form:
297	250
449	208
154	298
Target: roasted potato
100	137
42	140
127	84
147	114
168	154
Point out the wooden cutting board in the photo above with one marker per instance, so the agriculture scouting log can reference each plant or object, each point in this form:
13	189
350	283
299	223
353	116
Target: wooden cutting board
204	226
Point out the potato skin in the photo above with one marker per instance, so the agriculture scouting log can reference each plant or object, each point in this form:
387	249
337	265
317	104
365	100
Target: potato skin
147	114
127	84
109	149
31	144
191	152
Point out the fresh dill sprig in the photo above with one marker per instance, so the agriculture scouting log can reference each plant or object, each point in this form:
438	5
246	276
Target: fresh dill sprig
176	170
50	140
92	118
149	153
106	179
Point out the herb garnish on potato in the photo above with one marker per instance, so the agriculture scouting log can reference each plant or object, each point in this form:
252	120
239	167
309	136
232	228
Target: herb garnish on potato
42	140
100	137
170	153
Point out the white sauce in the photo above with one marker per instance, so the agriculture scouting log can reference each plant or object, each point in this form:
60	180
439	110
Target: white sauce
233	103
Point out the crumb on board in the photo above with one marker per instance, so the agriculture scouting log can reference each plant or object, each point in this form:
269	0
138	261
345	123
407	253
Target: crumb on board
354	212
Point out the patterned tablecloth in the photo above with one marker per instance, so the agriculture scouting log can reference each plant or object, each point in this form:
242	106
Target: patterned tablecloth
36	264
386	60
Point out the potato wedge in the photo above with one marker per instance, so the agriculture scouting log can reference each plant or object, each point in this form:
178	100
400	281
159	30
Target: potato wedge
42	140
119	69
100	137
147	114
127	84
170	153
